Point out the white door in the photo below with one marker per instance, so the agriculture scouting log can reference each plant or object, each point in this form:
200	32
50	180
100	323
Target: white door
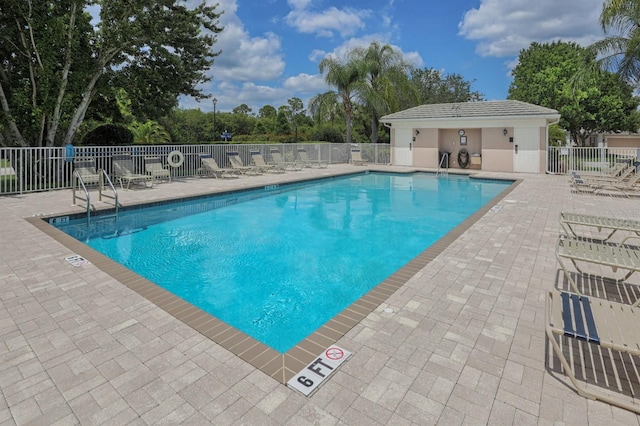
403	154
526	150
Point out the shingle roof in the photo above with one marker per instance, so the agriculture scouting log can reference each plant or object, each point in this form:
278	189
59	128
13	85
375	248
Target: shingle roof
470	109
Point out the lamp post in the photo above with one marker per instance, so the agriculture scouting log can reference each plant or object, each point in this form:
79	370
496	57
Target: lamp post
214	118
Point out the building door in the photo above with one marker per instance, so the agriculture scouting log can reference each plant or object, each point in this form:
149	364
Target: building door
526	150
403	151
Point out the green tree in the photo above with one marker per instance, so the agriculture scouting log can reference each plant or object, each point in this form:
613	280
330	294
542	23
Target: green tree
620	50
344	76
383	76
600	103
54	62
432	87
296	111
242	109
189	126
150	133
325	108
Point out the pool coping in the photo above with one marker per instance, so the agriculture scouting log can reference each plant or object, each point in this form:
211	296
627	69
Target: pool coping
279	366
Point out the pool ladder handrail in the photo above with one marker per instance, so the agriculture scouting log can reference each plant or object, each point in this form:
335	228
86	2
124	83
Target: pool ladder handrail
445	166
104	178
78	181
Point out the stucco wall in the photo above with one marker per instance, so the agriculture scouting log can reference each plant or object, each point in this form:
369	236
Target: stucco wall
484	136
425	148
623	141
497	151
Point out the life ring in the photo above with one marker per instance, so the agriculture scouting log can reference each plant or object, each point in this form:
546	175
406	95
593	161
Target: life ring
175	158
463	158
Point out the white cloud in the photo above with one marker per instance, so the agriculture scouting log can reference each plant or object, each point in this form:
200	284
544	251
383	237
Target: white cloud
504	27
341	51
345	21
306	83
245	57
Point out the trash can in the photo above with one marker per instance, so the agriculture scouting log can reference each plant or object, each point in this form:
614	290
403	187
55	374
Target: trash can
447	161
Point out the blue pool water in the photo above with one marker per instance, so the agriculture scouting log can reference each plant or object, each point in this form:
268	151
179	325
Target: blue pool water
280	262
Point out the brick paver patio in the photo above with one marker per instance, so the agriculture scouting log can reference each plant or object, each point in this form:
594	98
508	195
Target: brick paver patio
465	342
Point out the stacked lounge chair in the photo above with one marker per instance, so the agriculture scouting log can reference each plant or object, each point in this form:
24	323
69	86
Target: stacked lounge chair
596	340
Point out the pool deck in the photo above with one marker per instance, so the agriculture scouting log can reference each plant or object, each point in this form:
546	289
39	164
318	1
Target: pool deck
465	342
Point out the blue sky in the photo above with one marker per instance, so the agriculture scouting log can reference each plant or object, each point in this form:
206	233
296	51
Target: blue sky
271	48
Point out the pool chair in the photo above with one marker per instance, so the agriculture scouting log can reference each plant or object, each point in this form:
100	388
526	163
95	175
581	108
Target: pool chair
236	163
85	170
610	224
308	162
153	167
210	168
579	251
259	162
276	158
620	175
356	158
625	187
598	346
124	172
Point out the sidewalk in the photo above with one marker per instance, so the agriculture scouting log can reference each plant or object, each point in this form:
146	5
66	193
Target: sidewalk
465	342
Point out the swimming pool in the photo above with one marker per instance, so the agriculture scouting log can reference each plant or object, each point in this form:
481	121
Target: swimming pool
278	262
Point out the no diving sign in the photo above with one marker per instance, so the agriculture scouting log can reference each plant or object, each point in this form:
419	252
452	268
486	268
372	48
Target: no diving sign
323	366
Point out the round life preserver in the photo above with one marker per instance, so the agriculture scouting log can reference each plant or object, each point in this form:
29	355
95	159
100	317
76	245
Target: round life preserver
175	158
463	158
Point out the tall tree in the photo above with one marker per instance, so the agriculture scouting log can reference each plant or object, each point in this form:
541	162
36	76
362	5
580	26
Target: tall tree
601	103
344	76
432	87
54	61
324	108
383	75
620	50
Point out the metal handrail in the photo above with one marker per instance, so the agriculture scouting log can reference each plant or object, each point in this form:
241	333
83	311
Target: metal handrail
104	177
87	198
444	157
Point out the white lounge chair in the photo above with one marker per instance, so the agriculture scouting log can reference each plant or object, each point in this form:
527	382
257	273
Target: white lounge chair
236	163
598	345
153	167
611	224
124	171
259	162
308	162
276	158
356	158
579	251
210	168
85	169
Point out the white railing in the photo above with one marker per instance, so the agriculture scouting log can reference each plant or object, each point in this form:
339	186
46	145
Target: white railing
36	169
561	160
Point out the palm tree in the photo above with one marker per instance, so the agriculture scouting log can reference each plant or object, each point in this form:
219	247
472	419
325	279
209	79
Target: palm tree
324	107
620	51
344	77
384	76
149	132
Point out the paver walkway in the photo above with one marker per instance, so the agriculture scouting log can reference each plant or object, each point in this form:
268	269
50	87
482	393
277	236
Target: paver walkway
464	345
